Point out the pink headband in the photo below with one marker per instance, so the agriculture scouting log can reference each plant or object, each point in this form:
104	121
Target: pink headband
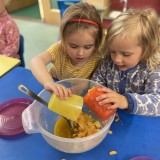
85	21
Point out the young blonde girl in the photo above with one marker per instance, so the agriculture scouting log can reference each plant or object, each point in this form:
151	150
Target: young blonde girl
9	33
131	71
77	54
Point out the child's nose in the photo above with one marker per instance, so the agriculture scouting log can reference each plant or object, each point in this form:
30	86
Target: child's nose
117	58
81	52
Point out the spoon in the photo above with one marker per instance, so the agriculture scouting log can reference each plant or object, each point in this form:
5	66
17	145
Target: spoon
28	92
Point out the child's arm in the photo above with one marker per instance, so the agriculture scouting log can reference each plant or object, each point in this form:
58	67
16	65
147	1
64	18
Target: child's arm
144	103
38	67
148	102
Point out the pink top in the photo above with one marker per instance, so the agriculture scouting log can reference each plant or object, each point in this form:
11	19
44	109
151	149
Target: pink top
9	36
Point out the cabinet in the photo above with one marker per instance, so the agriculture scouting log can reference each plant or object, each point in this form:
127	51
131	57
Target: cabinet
19	4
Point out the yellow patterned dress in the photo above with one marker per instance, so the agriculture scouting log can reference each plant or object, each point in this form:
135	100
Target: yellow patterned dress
63	69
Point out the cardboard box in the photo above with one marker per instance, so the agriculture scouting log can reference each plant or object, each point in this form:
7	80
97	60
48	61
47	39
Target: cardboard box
19	4
99	4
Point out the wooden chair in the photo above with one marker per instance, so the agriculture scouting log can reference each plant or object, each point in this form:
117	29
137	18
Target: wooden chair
21	51
64	4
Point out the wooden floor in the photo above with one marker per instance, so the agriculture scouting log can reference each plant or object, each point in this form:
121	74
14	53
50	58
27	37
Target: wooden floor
29	12
38	36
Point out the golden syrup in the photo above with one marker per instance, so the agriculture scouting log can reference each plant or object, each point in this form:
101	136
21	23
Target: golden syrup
62	128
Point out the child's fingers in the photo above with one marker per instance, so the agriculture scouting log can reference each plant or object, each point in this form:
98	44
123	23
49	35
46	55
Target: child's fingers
61	91
65	93
55	90
100	98
106	97
106	101
113	106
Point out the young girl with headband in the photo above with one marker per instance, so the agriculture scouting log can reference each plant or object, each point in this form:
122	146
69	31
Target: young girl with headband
131	71
77	54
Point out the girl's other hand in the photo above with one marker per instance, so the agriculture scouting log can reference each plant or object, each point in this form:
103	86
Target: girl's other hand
58	89
110	96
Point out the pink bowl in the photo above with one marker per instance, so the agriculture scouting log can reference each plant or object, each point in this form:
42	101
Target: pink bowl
143	158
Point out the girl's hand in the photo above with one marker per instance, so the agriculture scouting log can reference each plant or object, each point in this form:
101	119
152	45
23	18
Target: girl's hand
58	89
110	96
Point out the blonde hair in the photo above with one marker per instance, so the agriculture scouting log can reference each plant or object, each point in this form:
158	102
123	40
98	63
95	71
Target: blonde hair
81	11
142	24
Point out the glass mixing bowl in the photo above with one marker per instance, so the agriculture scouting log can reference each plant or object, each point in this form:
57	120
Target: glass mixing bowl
37	118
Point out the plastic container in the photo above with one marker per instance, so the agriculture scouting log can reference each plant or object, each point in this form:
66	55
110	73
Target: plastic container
39	119
143	158
100	111
70	108
101	4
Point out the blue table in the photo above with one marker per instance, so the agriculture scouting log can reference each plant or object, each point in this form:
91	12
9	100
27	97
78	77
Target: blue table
132	135
10	81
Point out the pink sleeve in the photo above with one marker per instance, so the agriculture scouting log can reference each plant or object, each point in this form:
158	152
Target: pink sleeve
12	39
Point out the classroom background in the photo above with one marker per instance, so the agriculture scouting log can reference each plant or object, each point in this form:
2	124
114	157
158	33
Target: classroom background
39	20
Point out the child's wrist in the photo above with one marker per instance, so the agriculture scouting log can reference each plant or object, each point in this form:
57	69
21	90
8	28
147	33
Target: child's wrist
47	85
125	102
130	102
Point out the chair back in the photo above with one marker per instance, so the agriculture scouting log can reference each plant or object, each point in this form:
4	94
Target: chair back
64	4
21	51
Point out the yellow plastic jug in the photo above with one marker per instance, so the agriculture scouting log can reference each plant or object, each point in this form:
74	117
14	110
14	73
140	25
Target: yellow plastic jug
69	108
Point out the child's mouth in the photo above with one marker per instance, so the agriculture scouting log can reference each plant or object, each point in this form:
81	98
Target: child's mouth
80	59
121	67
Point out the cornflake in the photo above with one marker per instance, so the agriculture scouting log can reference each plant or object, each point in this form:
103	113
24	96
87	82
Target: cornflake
117	118
111	153
109	132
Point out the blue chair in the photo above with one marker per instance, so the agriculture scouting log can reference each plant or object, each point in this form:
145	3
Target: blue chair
21	51
63	4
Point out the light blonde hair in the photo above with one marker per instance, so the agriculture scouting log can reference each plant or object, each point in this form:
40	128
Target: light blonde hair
81	11
142	24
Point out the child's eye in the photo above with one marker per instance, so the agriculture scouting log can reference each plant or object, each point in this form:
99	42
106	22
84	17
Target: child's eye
73	46
126	54
88	47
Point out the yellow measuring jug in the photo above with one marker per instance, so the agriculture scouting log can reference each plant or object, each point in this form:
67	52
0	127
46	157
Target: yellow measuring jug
69	108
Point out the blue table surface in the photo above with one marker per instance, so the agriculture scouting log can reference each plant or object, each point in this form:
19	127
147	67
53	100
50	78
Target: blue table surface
131	136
